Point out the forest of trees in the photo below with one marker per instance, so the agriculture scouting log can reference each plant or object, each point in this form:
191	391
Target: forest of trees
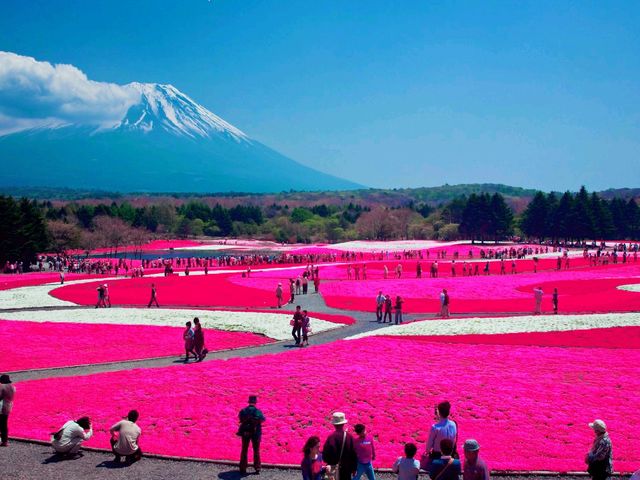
580	216
29	227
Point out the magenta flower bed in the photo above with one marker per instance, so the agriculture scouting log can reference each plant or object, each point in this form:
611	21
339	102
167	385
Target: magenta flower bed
527	406
31	345
616	337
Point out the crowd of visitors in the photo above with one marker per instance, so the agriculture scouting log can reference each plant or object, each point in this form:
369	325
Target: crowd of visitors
385	306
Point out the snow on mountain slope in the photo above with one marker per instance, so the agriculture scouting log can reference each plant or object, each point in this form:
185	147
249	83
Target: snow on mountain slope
164	106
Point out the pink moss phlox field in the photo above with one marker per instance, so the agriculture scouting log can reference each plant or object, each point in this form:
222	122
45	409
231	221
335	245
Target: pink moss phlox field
30	345
615	337
537	401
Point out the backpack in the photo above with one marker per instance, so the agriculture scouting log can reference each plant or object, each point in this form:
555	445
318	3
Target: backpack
248	425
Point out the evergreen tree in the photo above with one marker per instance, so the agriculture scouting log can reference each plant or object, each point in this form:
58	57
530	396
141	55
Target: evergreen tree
535	218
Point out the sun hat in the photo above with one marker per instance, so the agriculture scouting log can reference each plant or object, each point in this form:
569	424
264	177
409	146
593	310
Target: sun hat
338	418
253	399
598	426
4	379
471	445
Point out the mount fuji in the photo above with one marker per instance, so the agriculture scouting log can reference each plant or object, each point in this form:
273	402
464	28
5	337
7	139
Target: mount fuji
165	142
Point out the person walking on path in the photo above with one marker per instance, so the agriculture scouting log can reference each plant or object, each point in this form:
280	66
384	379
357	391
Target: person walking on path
379	306
388	304
338	450
474	467
250	431
7	393
198	340
296	324
292	291
398	307
189	341
365	453
537	295
444	303
107	297
100	303
554	301
68	440
599	460
154	296
279	295
306	328
124	438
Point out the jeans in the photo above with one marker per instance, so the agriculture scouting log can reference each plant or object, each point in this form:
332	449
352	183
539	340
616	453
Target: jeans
386	314
398	316
366	469
379	313
244	454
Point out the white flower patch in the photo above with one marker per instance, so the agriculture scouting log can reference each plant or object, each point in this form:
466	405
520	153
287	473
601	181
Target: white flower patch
38	295
524	324
634	287
272	325
393	246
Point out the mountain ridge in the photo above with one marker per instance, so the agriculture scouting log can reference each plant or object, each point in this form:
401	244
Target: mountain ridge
165	142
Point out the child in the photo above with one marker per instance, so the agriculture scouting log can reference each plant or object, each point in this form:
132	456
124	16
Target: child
365	452
407	467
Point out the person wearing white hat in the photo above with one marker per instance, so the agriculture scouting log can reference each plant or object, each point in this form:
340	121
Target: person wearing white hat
599	460
339	451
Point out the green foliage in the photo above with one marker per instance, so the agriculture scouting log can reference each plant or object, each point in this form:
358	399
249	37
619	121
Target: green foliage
580	216
23	232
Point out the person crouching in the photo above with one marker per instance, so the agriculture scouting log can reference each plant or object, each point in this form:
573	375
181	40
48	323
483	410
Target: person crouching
68	440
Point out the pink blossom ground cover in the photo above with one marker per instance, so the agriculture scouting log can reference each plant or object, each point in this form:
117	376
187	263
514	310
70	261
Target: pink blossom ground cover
586	289
615	337
30	345
527	406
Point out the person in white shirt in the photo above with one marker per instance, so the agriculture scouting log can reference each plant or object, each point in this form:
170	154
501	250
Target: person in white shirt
124	438
69	439
537	294
407	467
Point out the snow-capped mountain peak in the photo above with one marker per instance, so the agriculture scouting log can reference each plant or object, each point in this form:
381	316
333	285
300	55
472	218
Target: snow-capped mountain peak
166	107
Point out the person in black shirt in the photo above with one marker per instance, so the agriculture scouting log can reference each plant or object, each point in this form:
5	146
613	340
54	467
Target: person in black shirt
250	431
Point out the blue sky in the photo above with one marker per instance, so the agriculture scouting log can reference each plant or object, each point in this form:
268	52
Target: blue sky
389	94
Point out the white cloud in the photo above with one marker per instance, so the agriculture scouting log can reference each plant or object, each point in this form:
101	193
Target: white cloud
34	93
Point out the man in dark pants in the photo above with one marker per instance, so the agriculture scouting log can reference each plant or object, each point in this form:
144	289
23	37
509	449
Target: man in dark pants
339	449
154	298
250	431
296	331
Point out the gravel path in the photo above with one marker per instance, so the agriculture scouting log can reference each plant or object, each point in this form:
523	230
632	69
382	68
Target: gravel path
28	461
